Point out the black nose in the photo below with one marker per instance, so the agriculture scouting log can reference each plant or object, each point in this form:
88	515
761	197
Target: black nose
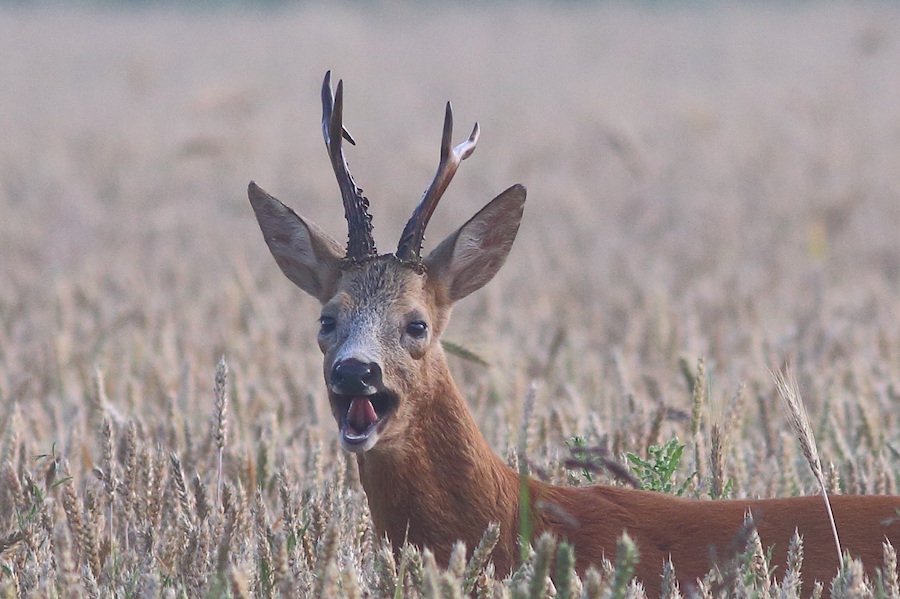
352	377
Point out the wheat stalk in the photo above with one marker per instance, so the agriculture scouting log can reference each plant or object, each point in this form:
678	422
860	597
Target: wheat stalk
698	400
480	556
545	550
221	430
789	392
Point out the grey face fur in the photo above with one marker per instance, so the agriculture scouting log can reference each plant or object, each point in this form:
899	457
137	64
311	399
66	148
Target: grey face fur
382	315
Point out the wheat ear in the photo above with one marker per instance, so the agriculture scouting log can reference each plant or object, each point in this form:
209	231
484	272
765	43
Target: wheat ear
789	391
221	420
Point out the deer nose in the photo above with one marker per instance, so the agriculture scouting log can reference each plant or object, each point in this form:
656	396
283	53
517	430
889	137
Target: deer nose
353	377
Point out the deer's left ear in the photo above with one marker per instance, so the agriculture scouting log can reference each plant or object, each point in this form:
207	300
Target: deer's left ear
470	257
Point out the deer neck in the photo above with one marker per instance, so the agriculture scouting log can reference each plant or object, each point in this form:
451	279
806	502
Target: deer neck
445	483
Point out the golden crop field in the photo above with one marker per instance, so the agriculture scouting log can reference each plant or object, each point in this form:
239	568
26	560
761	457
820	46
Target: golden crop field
713	192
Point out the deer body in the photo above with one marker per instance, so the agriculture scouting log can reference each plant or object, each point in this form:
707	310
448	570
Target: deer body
428	473
444	492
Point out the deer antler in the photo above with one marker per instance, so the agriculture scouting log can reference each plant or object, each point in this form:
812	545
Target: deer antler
360	244
413	234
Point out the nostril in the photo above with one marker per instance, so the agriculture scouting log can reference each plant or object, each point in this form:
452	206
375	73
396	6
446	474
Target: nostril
372	375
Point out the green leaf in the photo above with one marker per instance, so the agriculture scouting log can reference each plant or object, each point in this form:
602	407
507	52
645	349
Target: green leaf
461	352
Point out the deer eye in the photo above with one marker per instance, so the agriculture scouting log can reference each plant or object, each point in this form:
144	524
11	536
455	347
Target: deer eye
417	329
326	325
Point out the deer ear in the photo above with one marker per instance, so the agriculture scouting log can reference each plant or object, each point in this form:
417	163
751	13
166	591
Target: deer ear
306	254
469	258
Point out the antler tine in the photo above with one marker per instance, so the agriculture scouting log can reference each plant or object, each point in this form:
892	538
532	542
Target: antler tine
410	245
360	244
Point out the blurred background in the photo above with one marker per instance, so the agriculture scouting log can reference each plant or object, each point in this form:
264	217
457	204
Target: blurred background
710	179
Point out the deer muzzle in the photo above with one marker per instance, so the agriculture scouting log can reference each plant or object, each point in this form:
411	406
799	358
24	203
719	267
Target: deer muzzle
360	403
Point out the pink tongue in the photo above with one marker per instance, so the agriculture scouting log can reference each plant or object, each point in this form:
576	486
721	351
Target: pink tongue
361	414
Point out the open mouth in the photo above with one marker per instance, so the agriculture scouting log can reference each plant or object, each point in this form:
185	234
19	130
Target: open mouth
362	417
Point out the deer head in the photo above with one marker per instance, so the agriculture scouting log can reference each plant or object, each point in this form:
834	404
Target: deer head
383	315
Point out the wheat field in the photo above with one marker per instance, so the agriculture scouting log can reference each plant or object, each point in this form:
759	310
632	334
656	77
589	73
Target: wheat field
713	193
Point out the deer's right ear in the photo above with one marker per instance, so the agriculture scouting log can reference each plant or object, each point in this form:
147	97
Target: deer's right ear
306	254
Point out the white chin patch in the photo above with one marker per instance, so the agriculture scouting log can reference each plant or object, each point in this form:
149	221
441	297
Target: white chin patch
359	443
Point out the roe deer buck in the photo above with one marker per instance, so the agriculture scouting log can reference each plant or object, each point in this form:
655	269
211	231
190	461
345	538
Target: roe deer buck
426	469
